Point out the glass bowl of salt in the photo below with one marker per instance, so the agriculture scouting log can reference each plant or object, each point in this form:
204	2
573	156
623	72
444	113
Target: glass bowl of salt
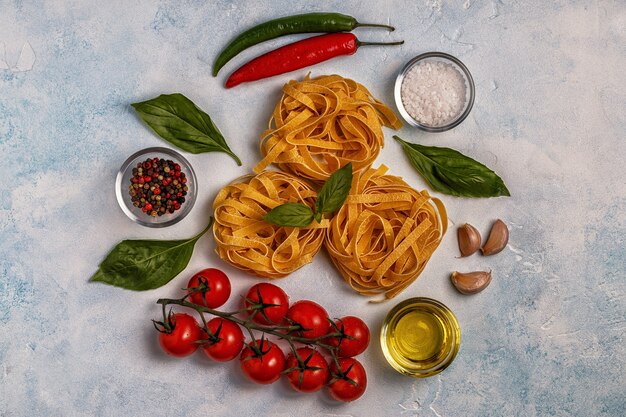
434	92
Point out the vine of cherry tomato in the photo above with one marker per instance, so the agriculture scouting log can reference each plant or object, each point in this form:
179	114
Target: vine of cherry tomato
262	362
226	341
326	360
267	303
214	285
349	380
179	337
311	317
308	371
354	339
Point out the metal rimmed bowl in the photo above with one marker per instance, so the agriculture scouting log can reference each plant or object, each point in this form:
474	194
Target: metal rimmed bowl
469	91
123	180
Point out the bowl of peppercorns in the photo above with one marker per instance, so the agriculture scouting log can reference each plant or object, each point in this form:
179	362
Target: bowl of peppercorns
156	187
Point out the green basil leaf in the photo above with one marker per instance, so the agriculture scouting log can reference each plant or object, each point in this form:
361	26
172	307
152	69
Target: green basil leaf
335	190
290	215
179	121
451	172
141	265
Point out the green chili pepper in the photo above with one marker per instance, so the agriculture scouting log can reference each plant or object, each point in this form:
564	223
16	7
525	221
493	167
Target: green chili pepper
301	23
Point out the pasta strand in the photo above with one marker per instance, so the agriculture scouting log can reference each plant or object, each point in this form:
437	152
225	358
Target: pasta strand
385	233
248	242
321	124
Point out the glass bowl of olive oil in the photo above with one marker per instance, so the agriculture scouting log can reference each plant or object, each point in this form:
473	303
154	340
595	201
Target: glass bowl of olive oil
420	337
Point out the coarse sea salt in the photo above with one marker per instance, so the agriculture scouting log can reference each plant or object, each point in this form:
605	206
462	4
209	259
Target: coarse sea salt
433	93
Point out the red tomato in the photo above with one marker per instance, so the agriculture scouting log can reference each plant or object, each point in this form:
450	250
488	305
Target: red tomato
311	317
274	299
311	374
355	336
184	333
228	340
350	382
264	367
217	291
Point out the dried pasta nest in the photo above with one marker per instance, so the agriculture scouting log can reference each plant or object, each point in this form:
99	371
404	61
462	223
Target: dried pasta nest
248	242
385	233
321	124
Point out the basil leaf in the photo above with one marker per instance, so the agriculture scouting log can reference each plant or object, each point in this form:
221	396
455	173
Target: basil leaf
451	172
290	215
141	265
179	121
335	190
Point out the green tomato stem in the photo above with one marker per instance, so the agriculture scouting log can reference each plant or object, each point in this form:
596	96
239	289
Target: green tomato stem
283	332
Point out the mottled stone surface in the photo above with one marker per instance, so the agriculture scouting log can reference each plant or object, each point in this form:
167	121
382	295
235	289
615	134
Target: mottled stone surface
547	336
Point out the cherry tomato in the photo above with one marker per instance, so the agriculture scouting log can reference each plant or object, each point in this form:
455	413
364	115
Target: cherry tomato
355	336
349	383
264	367
228	343
312	318
217	291
264	294
184	333
311	374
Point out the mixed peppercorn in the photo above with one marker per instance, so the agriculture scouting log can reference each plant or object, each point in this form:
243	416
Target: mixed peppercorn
158	186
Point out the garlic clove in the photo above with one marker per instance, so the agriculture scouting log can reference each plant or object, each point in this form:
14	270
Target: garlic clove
469	239
471	282
498	238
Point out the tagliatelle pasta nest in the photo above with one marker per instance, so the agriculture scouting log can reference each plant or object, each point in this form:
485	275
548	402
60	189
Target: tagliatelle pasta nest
321	124
385	233
250	243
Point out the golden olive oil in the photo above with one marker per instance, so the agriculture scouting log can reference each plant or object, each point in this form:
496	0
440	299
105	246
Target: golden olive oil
420	337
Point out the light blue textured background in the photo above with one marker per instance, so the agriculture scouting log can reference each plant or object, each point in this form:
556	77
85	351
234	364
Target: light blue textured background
546	338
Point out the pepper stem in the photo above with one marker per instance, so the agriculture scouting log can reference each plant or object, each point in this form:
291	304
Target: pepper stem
375	25
359	43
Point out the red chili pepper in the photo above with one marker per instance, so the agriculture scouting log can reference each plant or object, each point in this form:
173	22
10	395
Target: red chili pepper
298	55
